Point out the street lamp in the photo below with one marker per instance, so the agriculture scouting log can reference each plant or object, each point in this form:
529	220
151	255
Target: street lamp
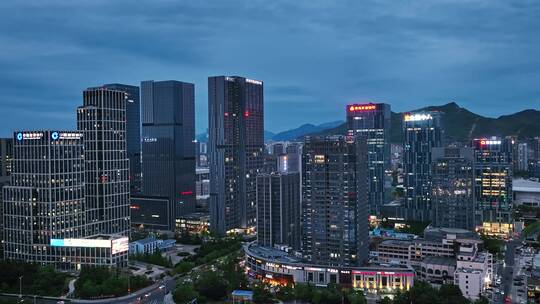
20	287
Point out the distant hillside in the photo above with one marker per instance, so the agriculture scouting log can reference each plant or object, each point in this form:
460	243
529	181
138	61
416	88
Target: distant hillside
462	124
203	137
304	130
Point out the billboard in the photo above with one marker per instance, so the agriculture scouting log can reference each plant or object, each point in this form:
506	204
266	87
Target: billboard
91	243
120	245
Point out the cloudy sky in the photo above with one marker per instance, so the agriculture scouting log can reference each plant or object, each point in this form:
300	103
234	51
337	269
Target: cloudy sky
313	56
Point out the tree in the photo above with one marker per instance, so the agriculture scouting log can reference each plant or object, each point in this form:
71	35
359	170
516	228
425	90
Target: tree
184	293
211	286
355	296
449	294
285	293
184	267
482	300
262	294
386	300
303	292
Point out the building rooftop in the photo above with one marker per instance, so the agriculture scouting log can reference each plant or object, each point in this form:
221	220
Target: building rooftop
145	241
271	253
468	270
278	256
437	260
525	185
396	242
536	260
436	233
196	216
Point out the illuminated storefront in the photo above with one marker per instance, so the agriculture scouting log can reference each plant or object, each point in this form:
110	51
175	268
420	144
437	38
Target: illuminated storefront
279	268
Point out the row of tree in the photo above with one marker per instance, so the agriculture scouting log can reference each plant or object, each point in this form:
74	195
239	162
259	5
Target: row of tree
104	282
153	258
32	279
214	283
424	293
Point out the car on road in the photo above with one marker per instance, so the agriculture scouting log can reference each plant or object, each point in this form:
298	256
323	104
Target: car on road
147	295
161	286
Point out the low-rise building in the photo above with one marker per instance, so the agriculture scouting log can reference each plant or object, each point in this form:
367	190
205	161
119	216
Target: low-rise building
278	267
526	192
474	271
150	245
193	223
438	270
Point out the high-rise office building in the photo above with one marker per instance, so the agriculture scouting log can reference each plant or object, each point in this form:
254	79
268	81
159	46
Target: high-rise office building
270	163
235	149
133	132
278	209
423	131
372	121
6	156
536	148
453	188
6	146
523	157
102	120
510	145
201	154
278	148
168	147
45	218
335	200
493	185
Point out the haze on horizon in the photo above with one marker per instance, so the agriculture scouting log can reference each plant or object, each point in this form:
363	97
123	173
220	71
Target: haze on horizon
313	56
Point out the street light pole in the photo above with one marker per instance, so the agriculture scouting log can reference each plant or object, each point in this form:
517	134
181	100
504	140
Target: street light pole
20	287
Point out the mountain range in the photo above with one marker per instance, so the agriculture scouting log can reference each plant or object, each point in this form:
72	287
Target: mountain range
460	125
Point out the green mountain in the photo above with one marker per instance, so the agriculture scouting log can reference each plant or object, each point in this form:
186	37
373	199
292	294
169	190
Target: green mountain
463	125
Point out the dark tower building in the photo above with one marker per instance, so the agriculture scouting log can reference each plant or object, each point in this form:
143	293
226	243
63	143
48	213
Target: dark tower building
133	132
102	120
493	185
235	150
423	131
373	122
453	188
335	201
278	209
6	156
6	150
168	147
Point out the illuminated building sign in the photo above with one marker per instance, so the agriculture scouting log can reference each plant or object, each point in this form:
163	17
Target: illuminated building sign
485	142
29	135
417	117
65	135
120	245
359	107
319	159
149	139
116	245
81	243
253	81
383	273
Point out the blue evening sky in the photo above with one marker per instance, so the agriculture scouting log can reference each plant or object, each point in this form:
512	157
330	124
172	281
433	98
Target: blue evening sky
313	56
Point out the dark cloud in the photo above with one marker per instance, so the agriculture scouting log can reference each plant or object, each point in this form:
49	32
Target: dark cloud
314	56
